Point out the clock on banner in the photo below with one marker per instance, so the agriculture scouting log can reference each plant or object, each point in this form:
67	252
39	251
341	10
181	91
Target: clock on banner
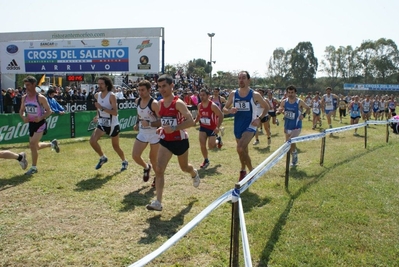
74	78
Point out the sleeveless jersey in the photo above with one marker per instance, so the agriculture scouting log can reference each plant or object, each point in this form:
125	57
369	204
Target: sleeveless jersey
146	114
376	105
291	115
171	116
391	104
382	104
105	119
328	100
316	104
308	101
272	104
208	118
217	102
33	109
355	110
366	106
246	111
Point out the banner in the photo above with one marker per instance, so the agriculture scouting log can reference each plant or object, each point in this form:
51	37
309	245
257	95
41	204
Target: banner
69	125
125	54
375	87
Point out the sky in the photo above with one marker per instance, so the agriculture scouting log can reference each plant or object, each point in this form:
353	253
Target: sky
246	32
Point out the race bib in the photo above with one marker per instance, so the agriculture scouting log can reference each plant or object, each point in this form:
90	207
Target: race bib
316	110
31	110
205	121
329	105
171	121
242	105
106	122
289	115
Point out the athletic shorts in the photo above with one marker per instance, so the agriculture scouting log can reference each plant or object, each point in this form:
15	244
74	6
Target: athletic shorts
355	118
342	112
392	110
107	130
148	137
37	127
328	111
272	114
238	134
293	133
264	119
176	147
208	132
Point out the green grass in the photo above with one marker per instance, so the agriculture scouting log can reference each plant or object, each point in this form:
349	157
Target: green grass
344	213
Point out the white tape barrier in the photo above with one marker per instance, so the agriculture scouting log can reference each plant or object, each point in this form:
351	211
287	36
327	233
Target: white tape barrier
244	236
376	122
182	232
345	128
308	137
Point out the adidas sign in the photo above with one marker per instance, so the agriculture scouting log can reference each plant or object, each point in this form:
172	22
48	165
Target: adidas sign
13	65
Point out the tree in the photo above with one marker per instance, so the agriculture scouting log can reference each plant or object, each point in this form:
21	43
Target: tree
278	67
386	59
330	65
364	55
303	64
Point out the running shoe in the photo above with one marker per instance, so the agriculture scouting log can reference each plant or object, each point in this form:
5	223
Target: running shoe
23	162
269	141
146	174
196	179
155	205
101	162
124	165
204	164
54	146
31	171
256	142
153	183
277	122
220	143
294	158
242	175
222	131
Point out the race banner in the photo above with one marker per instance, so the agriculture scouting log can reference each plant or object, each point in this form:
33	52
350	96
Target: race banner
371	87
135	55
69	125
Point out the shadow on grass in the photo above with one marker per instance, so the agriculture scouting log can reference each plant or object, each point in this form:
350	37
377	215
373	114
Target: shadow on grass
263	150
14	181
157	227
137	198
128	135
251	200
282	220
94	183
210	171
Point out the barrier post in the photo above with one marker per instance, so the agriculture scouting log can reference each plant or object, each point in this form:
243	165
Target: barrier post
287	168
323	148
387	134
235	233
365	135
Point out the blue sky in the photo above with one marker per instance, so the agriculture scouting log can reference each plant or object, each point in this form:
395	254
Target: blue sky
246	32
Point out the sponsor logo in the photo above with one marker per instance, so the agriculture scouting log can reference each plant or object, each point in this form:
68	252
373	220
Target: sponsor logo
8	132
127	105
144	44
13	65
105	42
48	44
75	107
144	63
31	45
129	122
12	49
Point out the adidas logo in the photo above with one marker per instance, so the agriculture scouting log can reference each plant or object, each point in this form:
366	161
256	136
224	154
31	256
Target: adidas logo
13	65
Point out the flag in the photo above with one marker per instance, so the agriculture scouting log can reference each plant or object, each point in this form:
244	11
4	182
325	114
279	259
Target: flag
60	81
42	79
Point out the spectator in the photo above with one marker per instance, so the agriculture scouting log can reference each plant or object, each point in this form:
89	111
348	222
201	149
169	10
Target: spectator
54	105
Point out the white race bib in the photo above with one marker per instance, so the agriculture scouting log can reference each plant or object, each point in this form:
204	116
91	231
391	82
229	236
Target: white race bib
242	105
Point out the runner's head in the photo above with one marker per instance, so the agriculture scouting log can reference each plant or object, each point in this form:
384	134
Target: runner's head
106	81
144	88
204	95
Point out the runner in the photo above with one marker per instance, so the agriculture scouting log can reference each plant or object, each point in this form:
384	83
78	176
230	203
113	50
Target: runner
108	123
241	103
210	118
263	122
343	105
175	118
219	101
147	124
316	110
309	102
355	109
327	102
376	106
35	110
366	110
293	109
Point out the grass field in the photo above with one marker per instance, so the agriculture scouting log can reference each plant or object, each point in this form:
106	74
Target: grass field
344	213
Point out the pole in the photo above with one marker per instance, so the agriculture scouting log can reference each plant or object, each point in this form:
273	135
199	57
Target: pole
365	135
287	168
323	148
235	233
387	133
210	74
